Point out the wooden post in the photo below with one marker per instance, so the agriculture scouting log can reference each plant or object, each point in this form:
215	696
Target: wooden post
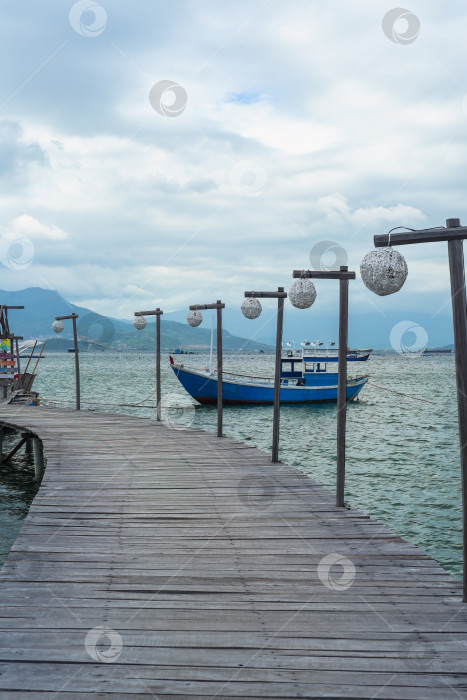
38	458
29	443
277	379
37	361
20	379
459	314
30	357
280	295
342	386
157	313
75	338
454	234
158	365
218	306
219	370
343	275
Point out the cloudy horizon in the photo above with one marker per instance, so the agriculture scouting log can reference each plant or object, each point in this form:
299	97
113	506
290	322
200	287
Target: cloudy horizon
288	125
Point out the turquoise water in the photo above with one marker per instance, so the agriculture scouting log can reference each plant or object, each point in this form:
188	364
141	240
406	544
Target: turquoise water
402	448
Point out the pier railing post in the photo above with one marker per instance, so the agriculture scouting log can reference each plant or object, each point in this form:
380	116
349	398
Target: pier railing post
277	379
218	306
57	327
459	314
78	388
158	366
220	407
343	275
342	386
454	234
140	323
280	295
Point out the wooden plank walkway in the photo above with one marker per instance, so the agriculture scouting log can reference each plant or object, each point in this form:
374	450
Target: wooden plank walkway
157	562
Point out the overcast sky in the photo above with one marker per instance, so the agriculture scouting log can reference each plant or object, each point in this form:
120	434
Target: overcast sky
295	122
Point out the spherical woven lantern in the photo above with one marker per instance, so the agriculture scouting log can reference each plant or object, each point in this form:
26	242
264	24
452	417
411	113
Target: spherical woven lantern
139	322
58	326
383	271
302	293
194	318
251	307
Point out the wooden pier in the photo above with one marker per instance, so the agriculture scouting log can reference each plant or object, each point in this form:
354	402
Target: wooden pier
159	562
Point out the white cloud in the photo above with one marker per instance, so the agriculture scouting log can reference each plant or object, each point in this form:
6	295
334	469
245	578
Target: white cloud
30	227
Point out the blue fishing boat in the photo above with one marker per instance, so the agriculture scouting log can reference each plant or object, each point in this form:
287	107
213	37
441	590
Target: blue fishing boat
304	379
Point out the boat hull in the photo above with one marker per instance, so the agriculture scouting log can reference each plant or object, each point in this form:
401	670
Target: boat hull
204	390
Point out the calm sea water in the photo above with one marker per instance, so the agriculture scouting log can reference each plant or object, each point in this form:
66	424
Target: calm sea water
402	442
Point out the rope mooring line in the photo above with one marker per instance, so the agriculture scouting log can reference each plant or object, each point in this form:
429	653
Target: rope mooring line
401	393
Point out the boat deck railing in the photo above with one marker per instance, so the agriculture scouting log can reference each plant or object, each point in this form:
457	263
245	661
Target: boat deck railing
321	352
286	381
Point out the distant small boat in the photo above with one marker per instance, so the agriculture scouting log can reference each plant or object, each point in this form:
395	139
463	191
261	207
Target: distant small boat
305	378
437	351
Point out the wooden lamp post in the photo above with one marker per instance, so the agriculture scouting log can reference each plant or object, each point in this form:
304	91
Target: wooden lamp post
58	327
253	311
385	274
194	319
140	323
343	275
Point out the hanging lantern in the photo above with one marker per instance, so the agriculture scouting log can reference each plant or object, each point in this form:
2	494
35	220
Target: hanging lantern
251	307
194	318
383	271
139	322
302	293
58	326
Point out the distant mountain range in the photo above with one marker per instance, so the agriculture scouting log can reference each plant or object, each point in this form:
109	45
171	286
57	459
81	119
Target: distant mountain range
101	332
377	328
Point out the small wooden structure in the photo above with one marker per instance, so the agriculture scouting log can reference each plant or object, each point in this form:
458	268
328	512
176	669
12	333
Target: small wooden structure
158	562
15	385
